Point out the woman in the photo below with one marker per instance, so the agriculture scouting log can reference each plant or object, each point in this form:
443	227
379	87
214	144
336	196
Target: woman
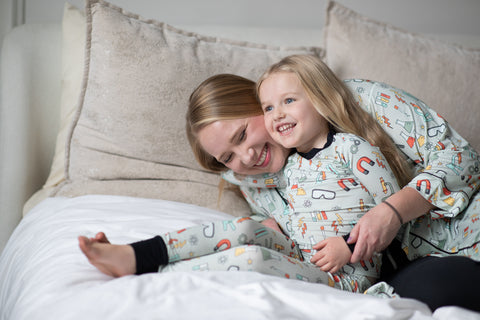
447	182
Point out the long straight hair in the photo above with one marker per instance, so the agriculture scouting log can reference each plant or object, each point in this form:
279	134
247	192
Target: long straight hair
334	101
220	97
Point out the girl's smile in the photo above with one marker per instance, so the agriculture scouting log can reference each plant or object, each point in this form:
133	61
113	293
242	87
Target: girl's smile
285	129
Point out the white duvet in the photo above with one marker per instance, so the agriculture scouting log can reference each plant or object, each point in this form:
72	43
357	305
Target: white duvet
43	274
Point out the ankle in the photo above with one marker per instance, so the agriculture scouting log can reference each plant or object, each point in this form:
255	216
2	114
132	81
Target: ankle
150	254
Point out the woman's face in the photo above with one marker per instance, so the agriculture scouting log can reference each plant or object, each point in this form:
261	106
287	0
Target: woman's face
243	145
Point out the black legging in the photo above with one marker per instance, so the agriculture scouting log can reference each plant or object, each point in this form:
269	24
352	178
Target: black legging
438	282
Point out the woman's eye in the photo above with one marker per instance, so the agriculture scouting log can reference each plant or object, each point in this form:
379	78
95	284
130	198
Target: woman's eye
288	100
227	159
243	134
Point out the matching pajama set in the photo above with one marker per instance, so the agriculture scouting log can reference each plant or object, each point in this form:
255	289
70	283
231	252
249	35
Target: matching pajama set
323	193
447	174
327	191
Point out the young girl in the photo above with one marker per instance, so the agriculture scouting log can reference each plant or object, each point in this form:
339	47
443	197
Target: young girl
335	176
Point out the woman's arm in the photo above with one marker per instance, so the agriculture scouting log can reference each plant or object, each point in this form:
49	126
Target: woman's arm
446	165
380	182
379	226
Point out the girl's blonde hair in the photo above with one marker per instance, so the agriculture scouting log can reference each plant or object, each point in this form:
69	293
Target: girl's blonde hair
334	101
220	97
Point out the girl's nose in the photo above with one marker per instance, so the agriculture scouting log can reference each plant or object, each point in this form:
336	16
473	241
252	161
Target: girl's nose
278	113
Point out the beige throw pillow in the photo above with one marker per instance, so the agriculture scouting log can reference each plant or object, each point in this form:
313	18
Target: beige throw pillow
128	136
444	76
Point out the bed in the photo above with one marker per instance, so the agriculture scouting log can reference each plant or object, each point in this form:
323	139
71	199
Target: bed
105	92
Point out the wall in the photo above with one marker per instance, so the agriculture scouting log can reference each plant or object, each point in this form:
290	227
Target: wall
447	17
426	16
10	15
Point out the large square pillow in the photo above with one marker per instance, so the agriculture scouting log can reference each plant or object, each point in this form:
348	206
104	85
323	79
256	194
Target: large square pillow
128	134
443	75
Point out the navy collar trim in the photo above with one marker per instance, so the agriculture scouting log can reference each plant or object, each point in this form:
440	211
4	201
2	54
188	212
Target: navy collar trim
310	154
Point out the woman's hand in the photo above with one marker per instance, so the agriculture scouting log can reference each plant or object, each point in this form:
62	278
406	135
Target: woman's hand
332	254
373	232
379	226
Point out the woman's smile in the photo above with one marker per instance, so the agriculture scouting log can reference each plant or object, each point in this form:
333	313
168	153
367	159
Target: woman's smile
264	157
249	149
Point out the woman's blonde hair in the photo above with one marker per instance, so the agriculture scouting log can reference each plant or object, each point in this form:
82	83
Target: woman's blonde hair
334	101
220	97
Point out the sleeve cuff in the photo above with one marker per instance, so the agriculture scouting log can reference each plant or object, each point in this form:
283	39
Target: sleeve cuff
351	246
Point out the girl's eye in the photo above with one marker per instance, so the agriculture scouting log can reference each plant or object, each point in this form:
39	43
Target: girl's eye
288	100
267	109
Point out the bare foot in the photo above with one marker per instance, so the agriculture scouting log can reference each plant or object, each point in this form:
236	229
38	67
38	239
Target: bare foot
113	260
101	237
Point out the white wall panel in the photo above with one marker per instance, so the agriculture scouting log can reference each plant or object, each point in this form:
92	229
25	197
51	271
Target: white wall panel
426	16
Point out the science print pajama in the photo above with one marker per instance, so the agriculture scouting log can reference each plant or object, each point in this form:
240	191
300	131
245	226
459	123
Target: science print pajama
241	244
447	166
327	191
447	174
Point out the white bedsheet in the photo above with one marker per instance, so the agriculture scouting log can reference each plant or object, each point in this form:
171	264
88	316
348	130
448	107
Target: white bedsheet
44	275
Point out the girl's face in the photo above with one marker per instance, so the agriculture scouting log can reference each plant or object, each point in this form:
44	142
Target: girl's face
290	117
243	145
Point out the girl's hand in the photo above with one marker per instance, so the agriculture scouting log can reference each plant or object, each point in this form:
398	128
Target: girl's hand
272	224
332	254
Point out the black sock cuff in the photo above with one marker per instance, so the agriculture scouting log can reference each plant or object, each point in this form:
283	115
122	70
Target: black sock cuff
150	254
